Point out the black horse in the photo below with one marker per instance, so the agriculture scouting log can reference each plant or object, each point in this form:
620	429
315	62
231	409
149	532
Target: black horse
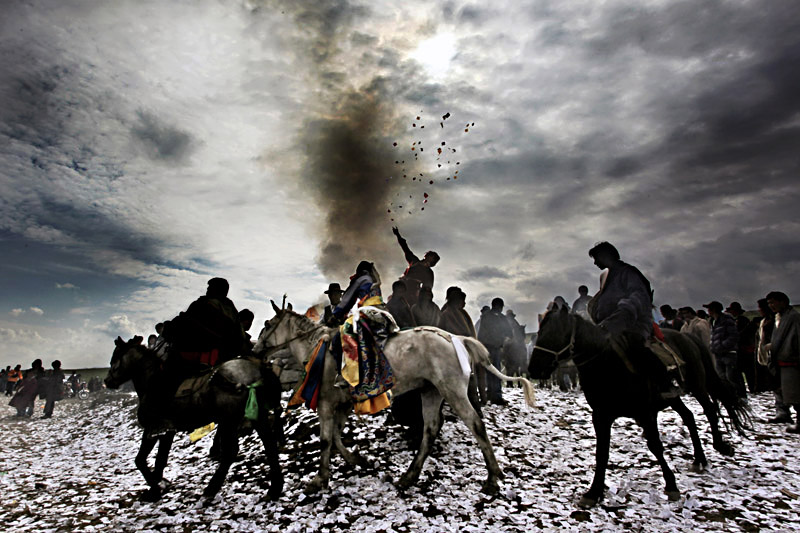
219	396
614	388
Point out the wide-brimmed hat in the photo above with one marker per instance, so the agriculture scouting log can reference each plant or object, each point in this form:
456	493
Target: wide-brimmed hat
715	305
334	287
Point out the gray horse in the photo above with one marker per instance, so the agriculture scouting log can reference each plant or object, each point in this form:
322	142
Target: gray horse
219	396
424	359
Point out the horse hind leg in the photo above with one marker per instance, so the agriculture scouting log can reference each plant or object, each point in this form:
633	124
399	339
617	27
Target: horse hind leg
650	427
325	412
459	403
229	447
432	424
700	462
340	420
270	440
711	412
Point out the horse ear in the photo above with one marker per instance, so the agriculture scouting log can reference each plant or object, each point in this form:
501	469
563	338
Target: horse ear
118	341
275	307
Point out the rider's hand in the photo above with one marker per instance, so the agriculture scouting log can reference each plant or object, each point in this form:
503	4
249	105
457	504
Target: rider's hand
395	231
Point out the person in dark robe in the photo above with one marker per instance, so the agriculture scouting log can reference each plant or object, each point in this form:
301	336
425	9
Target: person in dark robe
55	388
494	332
28	388
399	307
455	318
425	311
419	272
623	308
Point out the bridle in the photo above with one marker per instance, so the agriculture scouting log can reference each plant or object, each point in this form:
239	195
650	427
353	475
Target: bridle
273	329
568	348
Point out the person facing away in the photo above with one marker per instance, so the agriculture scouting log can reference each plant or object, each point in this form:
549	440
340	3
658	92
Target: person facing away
246	318
696	326
724	341
28	388
54	389
334	294
671	320
455	318
212	323
784	348
399	307
494	331
419	271
580	306
425	311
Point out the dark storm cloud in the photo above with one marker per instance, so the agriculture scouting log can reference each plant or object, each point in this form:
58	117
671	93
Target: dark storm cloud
162	141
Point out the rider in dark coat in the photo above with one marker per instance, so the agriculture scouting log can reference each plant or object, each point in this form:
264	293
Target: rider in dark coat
420	271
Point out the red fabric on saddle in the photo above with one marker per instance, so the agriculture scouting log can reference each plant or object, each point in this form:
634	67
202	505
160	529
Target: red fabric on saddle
206	358
657	333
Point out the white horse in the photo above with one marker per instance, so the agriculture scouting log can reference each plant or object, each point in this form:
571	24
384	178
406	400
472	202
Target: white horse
423	359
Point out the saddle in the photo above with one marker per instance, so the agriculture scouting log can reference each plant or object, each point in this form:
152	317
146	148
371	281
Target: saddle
193	384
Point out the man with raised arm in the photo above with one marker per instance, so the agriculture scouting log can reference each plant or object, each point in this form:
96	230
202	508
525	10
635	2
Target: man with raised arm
419	271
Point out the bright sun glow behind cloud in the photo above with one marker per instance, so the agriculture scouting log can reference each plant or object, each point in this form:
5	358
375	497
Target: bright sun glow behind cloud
435	54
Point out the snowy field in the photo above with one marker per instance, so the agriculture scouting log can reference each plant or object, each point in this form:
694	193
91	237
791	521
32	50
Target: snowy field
75	472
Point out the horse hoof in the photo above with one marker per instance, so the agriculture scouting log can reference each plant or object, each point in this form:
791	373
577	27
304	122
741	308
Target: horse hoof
151	495
587	502
724	448
490	487
315	485
698	468
274	493
404	483
673	495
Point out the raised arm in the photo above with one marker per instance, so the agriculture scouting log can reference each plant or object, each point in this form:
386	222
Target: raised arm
410	257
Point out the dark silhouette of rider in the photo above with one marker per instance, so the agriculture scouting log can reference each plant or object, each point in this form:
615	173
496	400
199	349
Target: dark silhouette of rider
419	272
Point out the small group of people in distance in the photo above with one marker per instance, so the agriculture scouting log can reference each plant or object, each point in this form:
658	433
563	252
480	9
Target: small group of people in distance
34	382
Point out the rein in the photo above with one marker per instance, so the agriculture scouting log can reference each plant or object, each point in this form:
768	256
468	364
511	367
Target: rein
568	348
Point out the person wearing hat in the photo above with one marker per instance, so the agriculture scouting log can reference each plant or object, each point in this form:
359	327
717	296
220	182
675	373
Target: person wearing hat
784	351
724	342
334	293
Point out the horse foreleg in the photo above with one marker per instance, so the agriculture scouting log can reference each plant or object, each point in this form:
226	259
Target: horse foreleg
153	477
710	409
650	428
270	440
147	445
229	447
602	431
700	461
459	403
432	423
326	414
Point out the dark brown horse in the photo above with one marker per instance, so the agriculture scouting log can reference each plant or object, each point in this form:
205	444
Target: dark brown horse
220	396
615	390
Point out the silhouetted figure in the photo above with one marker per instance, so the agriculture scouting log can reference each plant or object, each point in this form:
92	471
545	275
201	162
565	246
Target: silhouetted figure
724	340
28	388
784	348
694	325
425	311
783	413
580	306
671	320
399	307
12	378
419	272
54	390
494	331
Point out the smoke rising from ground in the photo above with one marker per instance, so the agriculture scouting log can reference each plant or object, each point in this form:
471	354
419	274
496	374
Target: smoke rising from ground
348	146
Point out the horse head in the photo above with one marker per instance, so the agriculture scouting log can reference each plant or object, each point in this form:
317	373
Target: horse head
554	343
122	361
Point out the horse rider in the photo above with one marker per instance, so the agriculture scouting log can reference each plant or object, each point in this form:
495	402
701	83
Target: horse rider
419	272
622	307
364	289
334	293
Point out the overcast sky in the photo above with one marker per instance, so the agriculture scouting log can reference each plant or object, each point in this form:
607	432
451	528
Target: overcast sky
146	146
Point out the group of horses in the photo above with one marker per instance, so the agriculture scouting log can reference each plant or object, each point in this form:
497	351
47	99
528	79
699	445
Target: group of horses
426	360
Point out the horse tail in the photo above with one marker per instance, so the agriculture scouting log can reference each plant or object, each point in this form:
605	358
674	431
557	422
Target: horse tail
722	392
479	355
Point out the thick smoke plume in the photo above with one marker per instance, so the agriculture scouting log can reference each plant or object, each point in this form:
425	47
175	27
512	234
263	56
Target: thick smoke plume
348	147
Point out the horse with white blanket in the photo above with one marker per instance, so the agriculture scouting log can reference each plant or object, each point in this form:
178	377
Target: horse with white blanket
429	359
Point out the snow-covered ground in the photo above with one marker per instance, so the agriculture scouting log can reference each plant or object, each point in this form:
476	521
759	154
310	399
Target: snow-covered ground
75	472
